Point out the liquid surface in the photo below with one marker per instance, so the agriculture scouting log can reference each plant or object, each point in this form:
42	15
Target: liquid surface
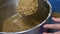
16	24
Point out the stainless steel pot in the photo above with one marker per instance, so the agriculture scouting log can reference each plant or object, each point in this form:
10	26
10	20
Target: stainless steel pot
8	8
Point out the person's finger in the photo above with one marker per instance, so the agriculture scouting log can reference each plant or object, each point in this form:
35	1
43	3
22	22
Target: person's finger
57	32
56	19
47	33
52	26
52	33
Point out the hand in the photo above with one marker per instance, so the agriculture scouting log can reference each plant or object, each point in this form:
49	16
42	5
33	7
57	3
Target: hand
53	26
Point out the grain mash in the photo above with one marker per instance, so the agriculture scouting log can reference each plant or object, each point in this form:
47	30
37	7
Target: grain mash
27	7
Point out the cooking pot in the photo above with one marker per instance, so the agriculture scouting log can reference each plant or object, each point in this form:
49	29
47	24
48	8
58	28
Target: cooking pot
8	9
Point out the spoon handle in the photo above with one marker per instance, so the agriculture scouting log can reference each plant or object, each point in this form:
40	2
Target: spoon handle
56	14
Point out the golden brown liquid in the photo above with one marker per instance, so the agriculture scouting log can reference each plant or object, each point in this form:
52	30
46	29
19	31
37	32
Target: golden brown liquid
16	24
